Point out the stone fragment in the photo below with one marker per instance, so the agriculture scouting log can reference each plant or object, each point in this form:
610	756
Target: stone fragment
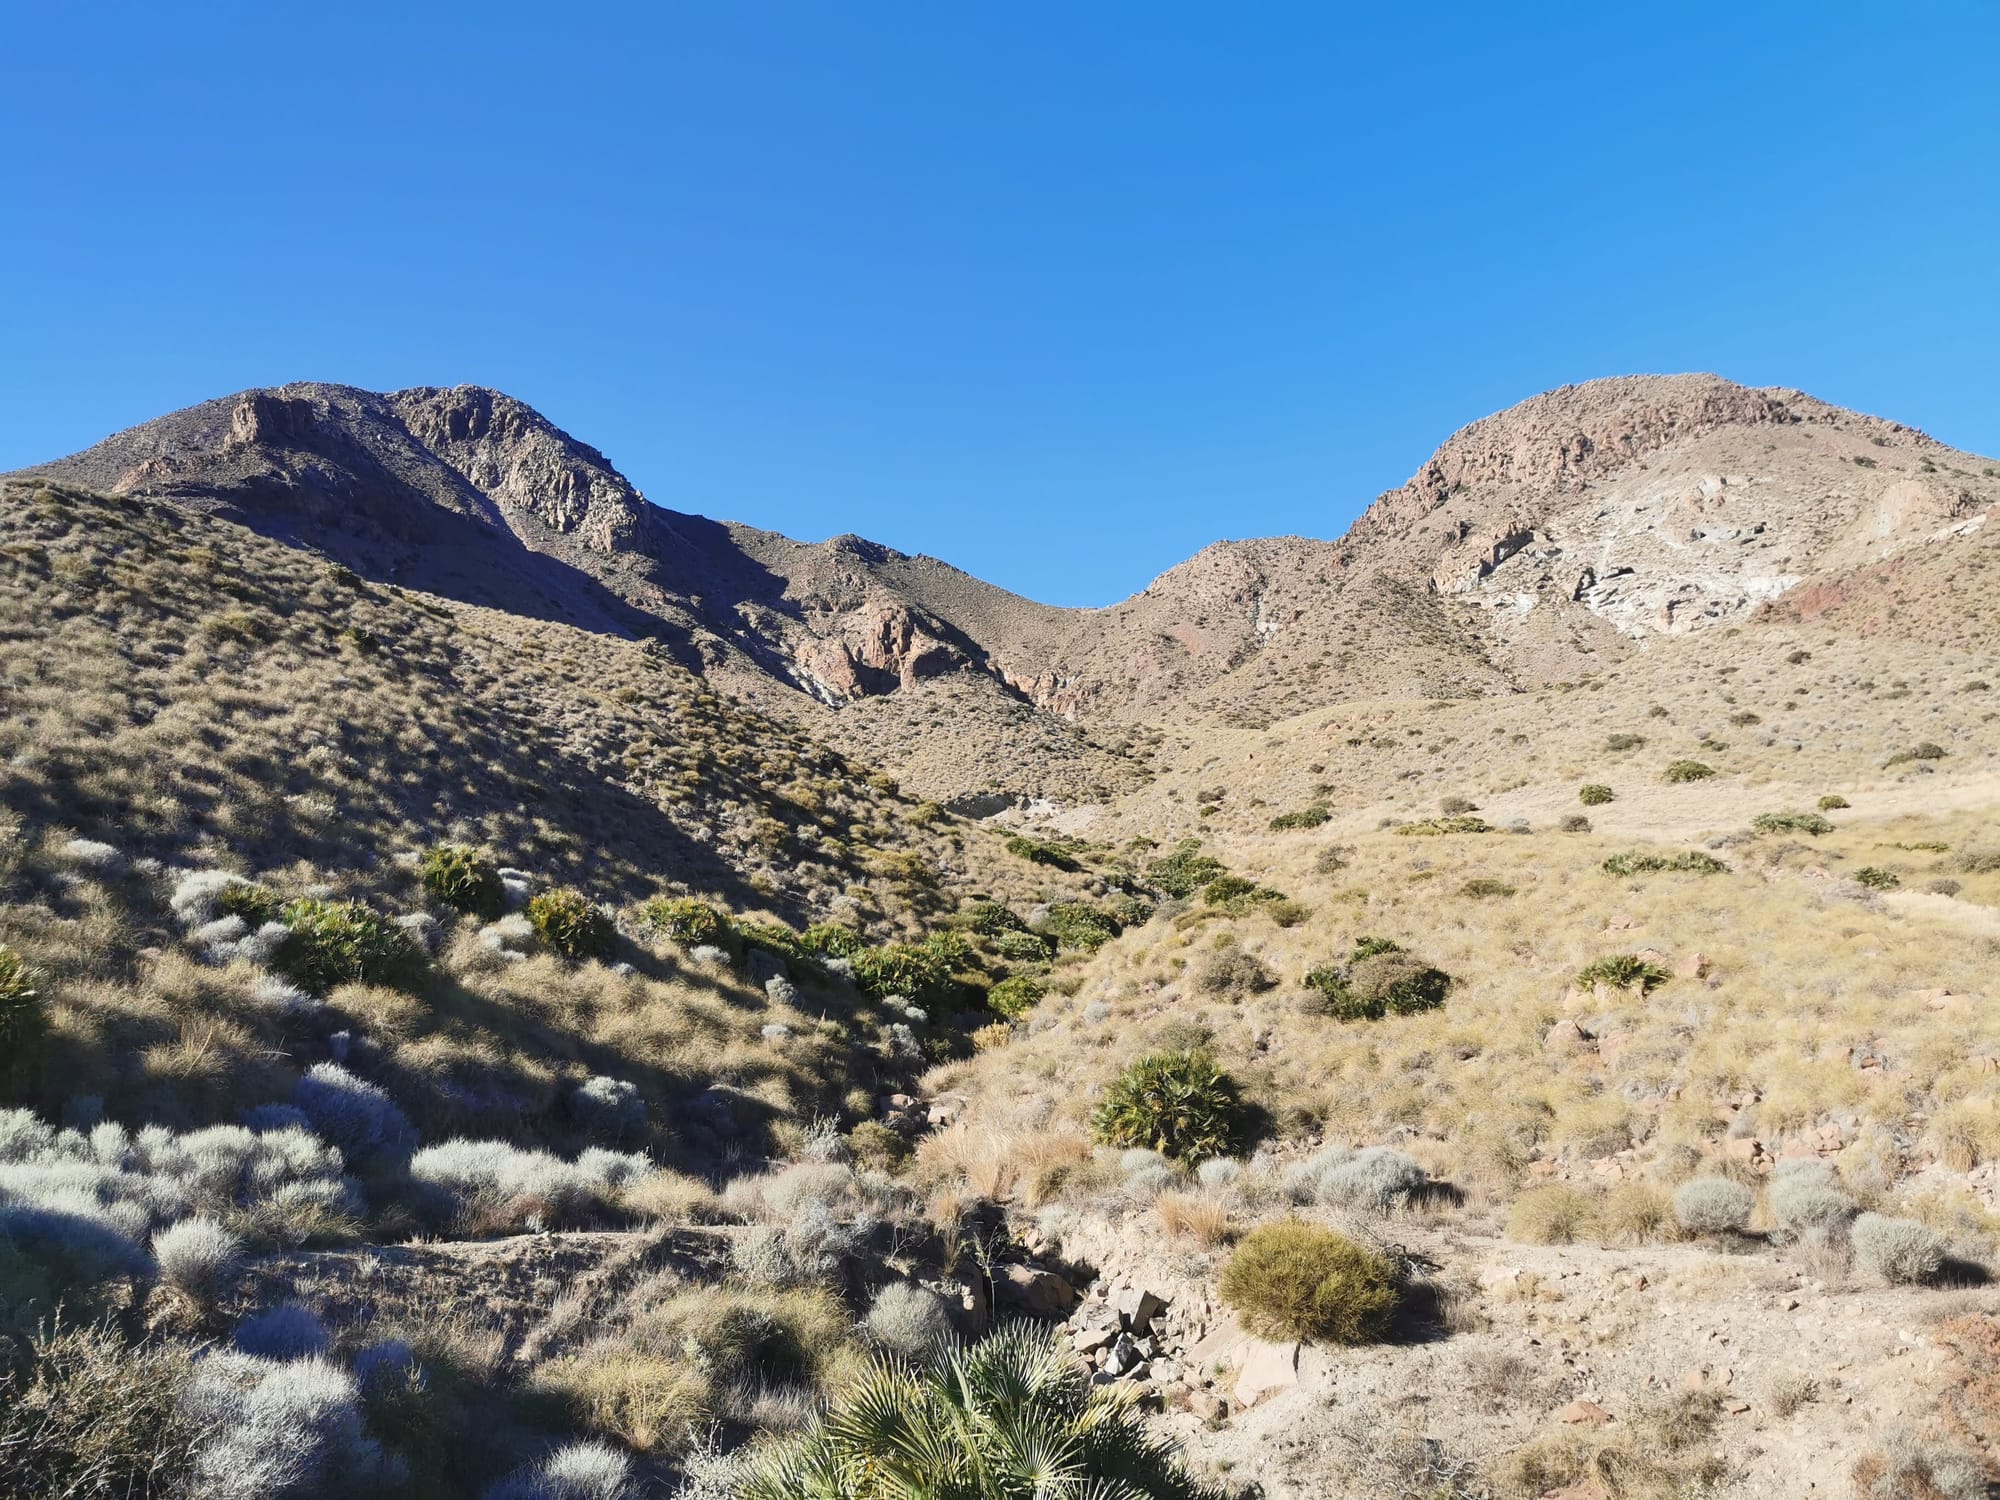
1207	1405
1124	1357
1266	1369
1583	1413
1136	1308
1217	1347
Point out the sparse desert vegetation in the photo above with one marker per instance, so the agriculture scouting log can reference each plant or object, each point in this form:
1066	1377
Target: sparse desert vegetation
463	1052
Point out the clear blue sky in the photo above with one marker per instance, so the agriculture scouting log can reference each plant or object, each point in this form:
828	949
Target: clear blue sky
1057	292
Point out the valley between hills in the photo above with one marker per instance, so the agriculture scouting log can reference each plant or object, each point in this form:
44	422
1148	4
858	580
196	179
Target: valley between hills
509	989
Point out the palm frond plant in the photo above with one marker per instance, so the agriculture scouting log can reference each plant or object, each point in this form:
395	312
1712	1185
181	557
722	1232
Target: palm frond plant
1013	1417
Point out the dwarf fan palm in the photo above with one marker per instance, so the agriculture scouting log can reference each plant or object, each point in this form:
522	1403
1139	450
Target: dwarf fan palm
1014	1417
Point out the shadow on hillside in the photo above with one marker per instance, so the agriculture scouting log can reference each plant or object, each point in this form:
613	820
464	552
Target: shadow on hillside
416	545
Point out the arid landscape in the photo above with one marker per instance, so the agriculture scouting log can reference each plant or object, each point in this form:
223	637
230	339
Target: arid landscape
510	990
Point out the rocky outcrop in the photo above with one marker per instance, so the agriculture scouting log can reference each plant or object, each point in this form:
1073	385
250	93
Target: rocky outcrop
878	647
509	452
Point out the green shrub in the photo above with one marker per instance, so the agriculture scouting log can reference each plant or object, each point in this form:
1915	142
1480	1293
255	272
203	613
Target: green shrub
1925	751
1623	971
255	904
1833	802
686	920
332	943
1302	818
1791	822
1014	1415
23	1018
1691	861
1014	997
1432	827
1185	871
1295	1280
464	879
1398	983
950	949
1594	795
1239	897
1877	879
832	940
1225	888
1688	770
876	1146
1379	980
1181	1104
1040	852
1368	947
1130	911
1021	947
907	969
1073	924
1484	886
571	923
990	918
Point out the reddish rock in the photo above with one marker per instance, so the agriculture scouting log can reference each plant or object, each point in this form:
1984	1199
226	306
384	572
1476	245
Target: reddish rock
1266	1369
1583	1413
1207	1405
1566	1038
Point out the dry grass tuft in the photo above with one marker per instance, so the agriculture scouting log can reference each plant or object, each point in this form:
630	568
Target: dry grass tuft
1200	1216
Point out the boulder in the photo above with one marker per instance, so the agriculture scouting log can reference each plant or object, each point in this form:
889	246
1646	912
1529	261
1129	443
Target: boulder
1566	1038
1136	1308
1124	1357
1042	1293
1207	1405
1217	1347
1583	1413
1090	1340
1266	1368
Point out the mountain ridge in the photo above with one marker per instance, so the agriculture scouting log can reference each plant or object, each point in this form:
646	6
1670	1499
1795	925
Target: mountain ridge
1534	545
